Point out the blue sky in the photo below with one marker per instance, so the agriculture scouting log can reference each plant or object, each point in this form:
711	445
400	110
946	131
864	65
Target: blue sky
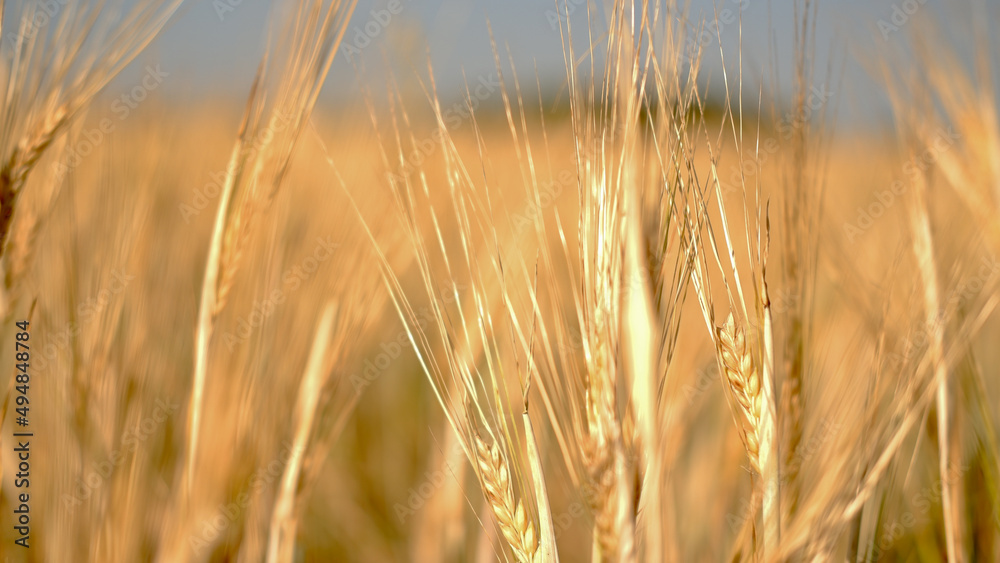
213	46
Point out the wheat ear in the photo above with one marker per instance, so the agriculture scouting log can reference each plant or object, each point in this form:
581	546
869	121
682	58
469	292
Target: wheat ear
510	515
757	404
601	469
745	382
607	467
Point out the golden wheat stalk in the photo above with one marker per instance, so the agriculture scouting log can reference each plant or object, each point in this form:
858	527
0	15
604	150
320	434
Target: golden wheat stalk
923	247
208	310
311	39
605	460
768	426
613	518
547	541
281	538
641	333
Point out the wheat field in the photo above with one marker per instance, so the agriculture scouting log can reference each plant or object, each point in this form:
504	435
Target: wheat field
655	313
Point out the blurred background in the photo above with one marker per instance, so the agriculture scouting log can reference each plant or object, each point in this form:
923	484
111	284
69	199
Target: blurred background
213	47
120	258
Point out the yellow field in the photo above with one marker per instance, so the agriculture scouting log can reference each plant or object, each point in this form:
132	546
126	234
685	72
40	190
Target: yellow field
628	327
